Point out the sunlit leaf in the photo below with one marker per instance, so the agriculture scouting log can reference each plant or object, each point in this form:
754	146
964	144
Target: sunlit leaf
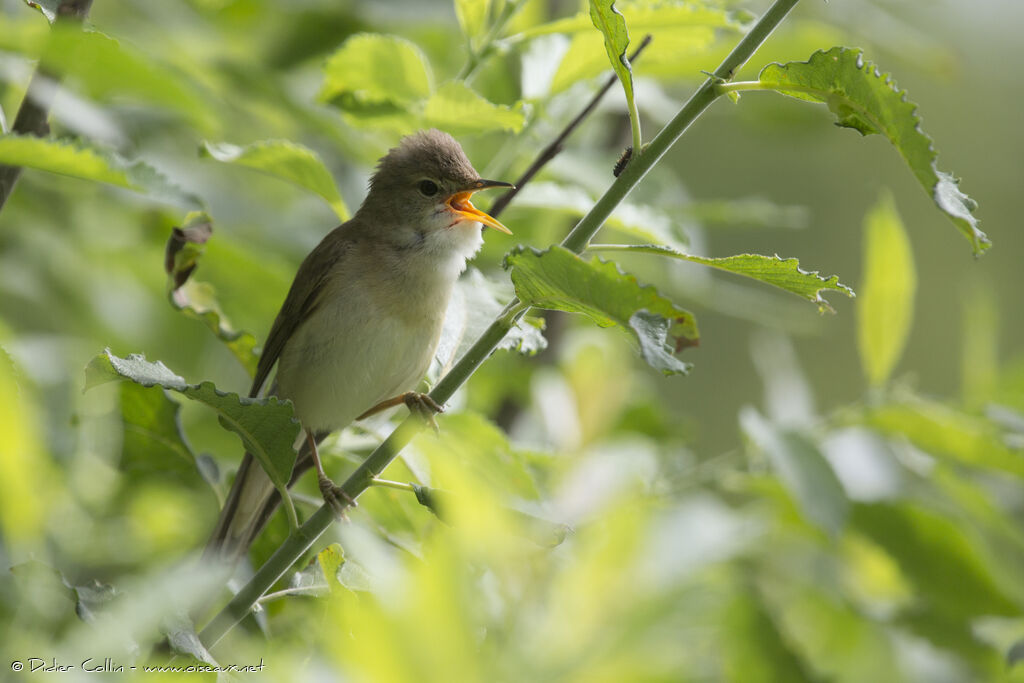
560	280
330	560
266	427
26	478
285	160
373	69
646	16
804	471
472	16
865	99
456	108
772	270
886	306
612	25
80	160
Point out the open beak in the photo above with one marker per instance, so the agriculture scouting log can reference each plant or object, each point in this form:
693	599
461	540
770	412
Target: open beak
460	204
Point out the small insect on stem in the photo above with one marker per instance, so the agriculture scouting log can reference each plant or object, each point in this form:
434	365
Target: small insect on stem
624	158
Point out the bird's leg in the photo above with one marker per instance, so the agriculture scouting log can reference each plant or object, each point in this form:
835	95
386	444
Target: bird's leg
332	493
418	403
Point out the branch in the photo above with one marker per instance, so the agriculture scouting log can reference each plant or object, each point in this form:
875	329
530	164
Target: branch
35	107
552	150
298	543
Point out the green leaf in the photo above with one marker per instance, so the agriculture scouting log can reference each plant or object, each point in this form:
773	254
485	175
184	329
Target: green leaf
475	303
371	69
782	273
756	651
946	432
937	556
266	427
612	25
79	160
472	16
285	160
198	300
886	306
868	101
803	470
456	108
107	70
560	280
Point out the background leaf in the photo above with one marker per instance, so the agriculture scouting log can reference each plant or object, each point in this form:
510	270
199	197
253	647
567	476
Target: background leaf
886	305
285	160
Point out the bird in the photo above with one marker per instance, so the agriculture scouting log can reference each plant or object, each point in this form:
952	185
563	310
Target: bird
361	322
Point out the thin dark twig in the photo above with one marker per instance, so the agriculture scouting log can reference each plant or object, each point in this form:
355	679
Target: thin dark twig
552	150
35	107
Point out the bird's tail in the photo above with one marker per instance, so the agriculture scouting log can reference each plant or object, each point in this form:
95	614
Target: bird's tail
249	506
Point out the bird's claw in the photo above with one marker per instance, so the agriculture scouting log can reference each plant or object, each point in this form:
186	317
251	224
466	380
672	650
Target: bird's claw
424	406
336	497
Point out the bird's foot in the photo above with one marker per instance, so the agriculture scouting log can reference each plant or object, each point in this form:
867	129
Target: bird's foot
335	497
424	406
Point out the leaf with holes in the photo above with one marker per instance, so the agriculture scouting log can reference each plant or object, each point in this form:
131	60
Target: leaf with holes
863	98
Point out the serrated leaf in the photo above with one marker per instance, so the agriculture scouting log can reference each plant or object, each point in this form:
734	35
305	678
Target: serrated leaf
886	307
778	272
475	303
560	280
472	16
946	432
371	69
863	98
458	109
612	25
285	160
267	427
198	300
79	160
803	470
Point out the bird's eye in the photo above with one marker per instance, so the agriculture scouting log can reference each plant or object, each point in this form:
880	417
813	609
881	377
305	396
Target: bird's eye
428	188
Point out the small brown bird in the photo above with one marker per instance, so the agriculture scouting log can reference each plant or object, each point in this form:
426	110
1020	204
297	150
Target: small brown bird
363	317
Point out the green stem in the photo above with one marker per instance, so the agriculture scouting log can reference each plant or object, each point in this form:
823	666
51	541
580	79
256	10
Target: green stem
299	542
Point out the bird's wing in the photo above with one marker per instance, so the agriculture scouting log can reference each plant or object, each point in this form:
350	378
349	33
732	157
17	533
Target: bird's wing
303	298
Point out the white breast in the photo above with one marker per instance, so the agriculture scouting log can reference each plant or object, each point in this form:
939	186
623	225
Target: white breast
371	338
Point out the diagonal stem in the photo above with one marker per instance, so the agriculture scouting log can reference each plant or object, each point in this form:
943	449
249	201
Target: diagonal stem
299	542
552	150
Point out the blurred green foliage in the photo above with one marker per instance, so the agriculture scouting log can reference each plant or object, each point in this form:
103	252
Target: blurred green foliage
596	520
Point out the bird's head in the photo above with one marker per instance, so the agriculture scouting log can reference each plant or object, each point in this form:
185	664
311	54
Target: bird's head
422	189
